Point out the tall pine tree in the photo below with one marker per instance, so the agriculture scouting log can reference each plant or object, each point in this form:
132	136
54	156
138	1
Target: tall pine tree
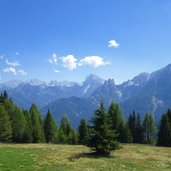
5	126
136	128
132	120
18	125
149	128
28	133
139	138
37	129
83	133
50	128
118	122
164	134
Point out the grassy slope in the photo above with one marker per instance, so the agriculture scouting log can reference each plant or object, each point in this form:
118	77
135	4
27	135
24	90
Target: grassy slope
65	157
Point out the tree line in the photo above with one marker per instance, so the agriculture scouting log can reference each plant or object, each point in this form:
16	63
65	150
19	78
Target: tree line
102	133
27	126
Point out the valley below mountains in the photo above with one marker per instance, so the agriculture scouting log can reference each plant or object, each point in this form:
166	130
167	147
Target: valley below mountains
144	93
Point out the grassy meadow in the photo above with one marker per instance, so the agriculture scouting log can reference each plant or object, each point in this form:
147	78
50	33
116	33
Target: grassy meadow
73	158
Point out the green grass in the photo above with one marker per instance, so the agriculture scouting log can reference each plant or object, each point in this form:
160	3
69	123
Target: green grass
73	158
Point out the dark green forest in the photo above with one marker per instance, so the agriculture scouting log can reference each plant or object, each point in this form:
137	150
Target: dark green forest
103	133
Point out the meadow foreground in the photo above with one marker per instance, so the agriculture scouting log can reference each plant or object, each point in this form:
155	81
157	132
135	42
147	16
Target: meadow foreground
70	157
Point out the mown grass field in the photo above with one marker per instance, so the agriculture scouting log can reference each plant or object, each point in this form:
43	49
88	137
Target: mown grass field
73	158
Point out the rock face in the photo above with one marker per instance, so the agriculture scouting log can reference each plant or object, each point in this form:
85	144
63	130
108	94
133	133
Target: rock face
144	93
154	95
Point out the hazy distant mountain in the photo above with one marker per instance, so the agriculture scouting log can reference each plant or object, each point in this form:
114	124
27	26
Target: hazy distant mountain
10	84
54	83
144	93
42	93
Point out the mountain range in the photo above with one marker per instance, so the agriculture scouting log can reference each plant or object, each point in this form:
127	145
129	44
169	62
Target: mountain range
144	93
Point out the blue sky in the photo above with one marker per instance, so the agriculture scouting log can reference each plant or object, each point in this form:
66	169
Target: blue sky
69	39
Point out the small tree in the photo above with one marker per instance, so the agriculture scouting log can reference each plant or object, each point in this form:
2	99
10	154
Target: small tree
83	132
67	134
102	138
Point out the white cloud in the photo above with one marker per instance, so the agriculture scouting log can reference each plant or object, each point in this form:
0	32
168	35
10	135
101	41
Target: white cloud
53	59
14	71
10	69
95	61
22	72
113	43
69	62
14	64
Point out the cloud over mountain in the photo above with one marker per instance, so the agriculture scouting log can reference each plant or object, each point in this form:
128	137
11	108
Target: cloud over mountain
95	61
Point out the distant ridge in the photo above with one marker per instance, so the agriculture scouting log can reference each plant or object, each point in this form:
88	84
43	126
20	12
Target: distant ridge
143	93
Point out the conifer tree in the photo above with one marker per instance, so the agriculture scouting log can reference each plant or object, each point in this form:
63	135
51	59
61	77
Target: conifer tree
65	125
132	120
37	129
149	128
117	121
128	135
66	132
169	115
18	125
5	95
7	103
62	138
136	128
50	128
115	115
5	126
164	134
72	137
102	138
139	138
83	133
28	133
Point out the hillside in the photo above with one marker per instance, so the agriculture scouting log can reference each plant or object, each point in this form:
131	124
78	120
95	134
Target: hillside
67	157
74	107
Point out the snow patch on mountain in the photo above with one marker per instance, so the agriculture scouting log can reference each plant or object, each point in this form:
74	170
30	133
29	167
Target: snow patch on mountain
86	89
156	103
